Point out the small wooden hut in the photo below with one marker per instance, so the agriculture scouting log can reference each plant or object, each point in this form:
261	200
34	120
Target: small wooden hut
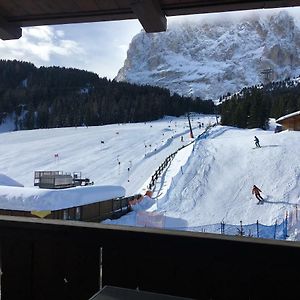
290	121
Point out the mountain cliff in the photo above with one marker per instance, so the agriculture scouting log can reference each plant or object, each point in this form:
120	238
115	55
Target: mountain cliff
209	59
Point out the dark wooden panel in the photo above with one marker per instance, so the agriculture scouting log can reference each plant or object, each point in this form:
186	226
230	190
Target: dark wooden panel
150	15
31	13
90	212
93	212
71	213
92	5
185	7
117	204
18	213
43	270
106	209
194	265
72	268
16	259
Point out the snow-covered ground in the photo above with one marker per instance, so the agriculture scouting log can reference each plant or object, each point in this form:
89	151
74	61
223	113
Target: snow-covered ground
207	183
211	182
119	154
33	199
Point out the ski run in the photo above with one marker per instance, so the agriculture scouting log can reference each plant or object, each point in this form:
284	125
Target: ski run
206	187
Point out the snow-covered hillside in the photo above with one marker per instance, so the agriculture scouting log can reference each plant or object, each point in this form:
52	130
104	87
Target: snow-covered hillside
120	154
210	59
223	168
207	183
211	183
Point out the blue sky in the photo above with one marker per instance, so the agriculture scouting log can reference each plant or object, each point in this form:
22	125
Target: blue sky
98	47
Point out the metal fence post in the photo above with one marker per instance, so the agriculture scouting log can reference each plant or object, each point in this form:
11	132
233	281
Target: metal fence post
286	224
241	230
222	227
275	228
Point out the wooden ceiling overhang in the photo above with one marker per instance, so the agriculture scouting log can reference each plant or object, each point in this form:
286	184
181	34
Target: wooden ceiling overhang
15	14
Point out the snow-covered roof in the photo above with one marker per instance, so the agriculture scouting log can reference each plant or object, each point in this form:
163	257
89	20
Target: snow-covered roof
296	113
30	198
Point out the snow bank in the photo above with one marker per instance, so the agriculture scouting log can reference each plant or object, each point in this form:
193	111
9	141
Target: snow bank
7	181
28	199
146	203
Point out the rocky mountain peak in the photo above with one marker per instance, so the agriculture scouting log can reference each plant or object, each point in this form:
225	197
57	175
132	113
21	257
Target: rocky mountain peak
208	59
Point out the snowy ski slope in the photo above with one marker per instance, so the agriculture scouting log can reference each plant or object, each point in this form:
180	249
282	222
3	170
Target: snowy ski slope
128	157
208	182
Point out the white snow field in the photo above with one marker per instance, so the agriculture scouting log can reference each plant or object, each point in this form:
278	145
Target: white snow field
212	181
33	199
207	183
120	154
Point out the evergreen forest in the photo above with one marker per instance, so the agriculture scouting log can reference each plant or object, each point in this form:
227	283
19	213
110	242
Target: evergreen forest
48	97
252	107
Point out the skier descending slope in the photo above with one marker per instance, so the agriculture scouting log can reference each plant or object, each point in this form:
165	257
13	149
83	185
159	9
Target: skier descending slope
256	140
256	191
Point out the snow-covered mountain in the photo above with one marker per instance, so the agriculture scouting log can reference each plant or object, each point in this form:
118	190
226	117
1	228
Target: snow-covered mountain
210	59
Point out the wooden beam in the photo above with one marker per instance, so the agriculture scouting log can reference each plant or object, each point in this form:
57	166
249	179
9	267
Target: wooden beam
9	31
175	8
150	15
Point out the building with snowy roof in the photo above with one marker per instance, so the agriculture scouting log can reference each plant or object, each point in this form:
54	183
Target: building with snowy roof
91	203
290	121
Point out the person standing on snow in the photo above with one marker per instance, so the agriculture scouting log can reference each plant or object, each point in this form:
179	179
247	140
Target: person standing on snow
256	140
256	191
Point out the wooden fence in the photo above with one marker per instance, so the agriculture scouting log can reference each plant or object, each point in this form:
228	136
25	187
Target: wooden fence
168	160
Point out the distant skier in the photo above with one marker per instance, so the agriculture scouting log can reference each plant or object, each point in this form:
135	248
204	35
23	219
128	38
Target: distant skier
256	191
256	140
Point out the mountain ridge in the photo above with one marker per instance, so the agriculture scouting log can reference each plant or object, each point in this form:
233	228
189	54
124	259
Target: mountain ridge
194	58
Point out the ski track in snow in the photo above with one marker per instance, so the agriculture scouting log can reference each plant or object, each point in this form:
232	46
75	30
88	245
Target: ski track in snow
207	182
214	183
227	173
80	150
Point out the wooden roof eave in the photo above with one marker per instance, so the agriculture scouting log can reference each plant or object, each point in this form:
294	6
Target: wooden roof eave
151	13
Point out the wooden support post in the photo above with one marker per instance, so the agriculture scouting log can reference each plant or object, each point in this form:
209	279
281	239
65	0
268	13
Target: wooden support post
150	15
9	31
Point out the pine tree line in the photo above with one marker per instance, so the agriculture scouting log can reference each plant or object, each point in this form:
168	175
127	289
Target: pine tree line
252	107
48	97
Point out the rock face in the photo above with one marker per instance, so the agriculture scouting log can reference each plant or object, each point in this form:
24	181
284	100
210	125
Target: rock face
209	60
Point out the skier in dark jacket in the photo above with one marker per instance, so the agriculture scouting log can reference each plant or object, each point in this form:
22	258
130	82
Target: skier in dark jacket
256	140
256	191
